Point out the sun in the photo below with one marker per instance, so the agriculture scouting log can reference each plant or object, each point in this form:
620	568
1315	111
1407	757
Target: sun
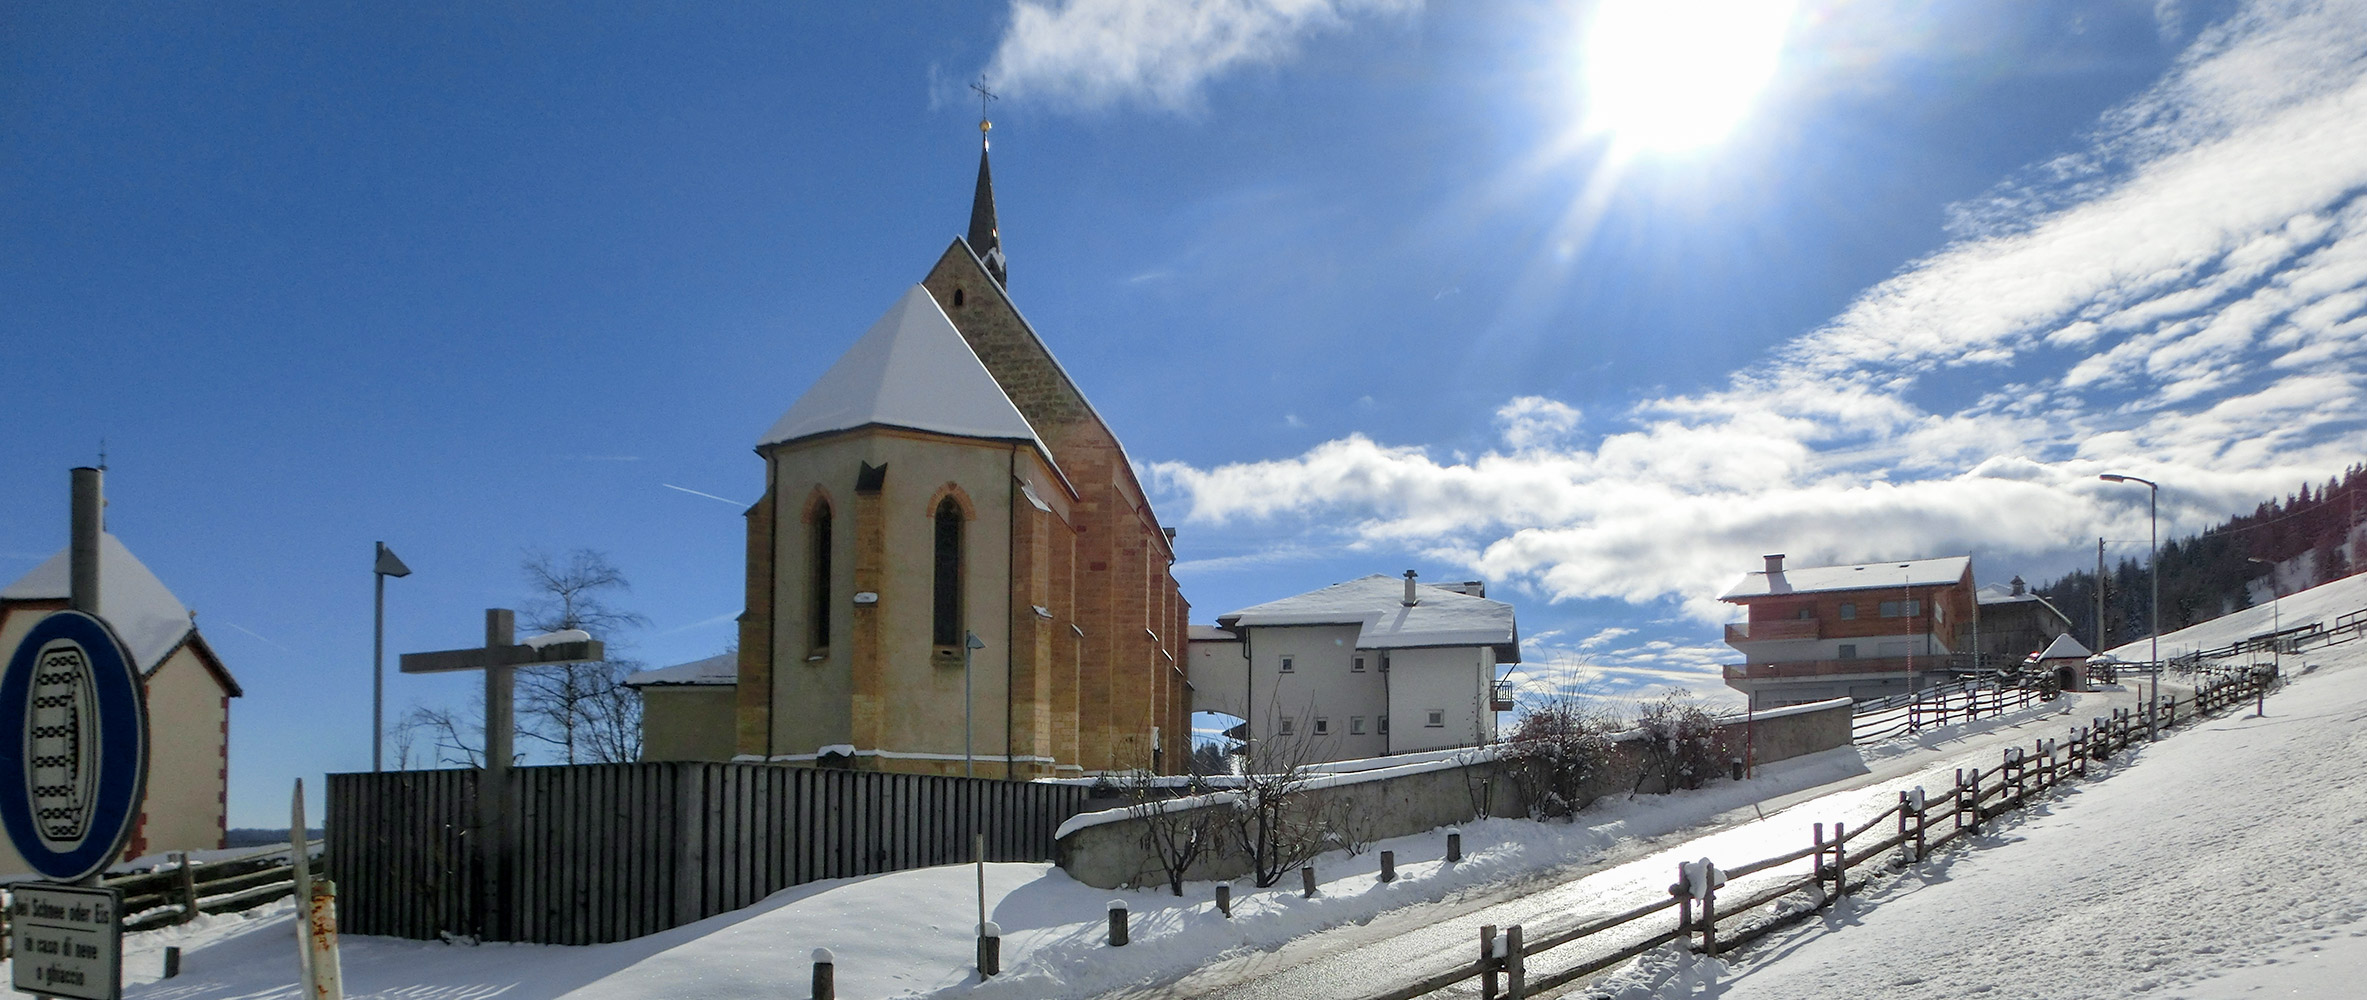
1674	75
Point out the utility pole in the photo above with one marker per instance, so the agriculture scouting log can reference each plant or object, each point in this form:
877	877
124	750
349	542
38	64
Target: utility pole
2099	594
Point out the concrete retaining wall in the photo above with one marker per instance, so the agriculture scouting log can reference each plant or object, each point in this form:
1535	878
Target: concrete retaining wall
1106	849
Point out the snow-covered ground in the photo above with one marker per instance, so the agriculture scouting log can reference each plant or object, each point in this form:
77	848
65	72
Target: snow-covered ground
2202	859
2223	861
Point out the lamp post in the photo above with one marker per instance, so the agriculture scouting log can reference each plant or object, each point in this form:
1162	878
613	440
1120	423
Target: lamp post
2276	611
386	566
970	644
2153	536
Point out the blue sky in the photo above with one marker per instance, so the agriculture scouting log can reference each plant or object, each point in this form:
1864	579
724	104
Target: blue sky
1364	286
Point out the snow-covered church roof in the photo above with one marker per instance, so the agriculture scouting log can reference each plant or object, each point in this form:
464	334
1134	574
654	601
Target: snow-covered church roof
149	619
1441	617
721	668
912	369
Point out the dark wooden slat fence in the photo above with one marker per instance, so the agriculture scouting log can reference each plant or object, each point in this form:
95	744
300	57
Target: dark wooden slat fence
605	852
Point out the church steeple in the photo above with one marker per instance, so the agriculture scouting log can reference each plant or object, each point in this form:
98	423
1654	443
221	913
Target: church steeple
985	241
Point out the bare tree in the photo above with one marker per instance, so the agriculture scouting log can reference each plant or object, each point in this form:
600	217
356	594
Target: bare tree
1559	744
583	710
1274	824
1178	829
452	739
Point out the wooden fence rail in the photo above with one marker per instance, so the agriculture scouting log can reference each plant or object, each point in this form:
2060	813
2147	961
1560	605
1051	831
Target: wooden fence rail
1915	826
1960	702
606	852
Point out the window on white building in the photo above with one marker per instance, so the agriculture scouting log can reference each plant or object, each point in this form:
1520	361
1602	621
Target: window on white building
1848	612
1322	727
1437	718
1286	665
1356	664
1849	651
1356	725
1384	724
1286	727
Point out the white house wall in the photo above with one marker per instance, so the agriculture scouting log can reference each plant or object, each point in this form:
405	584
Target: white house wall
1220	678
1868	647
1453	681
1322	684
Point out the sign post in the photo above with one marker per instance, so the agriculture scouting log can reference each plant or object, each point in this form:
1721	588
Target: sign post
71	786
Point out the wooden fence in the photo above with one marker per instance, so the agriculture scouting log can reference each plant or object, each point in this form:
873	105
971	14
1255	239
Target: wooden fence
1962	701
1916	826
606	852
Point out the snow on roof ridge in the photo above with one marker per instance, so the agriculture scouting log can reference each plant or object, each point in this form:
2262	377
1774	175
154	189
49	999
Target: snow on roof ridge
721	668
1376	605
910	369
1940	570
150	620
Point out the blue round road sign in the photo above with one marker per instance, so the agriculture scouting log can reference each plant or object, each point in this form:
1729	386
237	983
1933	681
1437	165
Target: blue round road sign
72	780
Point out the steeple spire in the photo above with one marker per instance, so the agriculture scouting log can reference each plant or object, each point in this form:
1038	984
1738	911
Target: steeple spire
984	238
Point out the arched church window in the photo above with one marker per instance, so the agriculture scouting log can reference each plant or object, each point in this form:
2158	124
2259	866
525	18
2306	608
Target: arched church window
948	604
818	606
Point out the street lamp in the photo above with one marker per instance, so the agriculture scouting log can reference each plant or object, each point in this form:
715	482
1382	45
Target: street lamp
386	566
970	644
2276	611
2153	534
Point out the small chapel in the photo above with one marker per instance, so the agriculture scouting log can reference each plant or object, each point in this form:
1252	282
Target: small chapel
953	567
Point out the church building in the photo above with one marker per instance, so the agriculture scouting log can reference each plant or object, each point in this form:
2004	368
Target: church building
953	565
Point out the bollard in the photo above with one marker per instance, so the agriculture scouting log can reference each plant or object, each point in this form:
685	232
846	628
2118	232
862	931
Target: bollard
1307	879
1454	845
1388	866
172	961
990	951
1224	899
1117	923
1735	766
825	975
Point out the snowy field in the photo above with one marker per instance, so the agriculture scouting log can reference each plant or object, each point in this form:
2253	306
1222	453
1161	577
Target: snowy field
2220	862
2223	861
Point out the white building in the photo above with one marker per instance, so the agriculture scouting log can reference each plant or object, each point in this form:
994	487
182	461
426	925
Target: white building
1372	666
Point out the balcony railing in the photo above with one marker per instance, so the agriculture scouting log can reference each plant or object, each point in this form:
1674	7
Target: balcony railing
1787	628
1500	697
1936	663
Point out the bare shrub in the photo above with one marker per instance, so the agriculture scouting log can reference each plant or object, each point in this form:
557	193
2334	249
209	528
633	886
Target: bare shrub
1274	825
1681	742
1177	828
1555	749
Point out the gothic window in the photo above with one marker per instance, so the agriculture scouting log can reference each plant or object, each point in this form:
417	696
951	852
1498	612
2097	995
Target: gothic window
948	604
818	605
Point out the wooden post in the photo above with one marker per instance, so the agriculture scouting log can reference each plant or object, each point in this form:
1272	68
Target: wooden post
172	960
1840	861
1516	965
321	918
1388	866
1117	923
188	890
1487	962
1709	914
1307	879
1903	816
1224	899
1816	867
825	975
990	951
1454	845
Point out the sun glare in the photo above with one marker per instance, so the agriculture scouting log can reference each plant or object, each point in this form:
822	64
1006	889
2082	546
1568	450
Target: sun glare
1671	75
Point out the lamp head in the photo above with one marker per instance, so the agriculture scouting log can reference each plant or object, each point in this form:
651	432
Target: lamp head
2112	478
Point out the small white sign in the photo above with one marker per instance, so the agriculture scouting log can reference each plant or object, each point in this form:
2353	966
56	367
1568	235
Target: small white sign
67	940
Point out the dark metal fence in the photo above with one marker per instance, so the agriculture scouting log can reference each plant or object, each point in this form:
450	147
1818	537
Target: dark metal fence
605	852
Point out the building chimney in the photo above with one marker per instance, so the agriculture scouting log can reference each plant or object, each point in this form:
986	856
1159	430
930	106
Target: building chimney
1410	598
87	523
1775	564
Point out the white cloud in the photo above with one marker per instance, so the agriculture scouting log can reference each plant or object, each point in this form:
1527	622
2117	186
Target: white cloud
2185	300
1091	54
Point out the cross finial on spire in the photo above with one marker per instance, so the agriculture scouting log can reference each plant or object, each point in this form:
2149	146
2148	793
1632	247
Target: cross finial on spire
984	96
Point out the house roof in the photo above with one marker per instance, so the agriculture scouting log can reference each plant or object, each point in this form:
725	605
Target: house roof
2064	648
1863	576
149	619
912	369
720	669
1441	617
1209	633
2000	595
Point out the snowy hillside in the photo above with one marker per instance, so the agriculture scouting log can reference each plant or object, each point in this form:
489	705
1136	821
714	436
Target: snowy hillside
2220	862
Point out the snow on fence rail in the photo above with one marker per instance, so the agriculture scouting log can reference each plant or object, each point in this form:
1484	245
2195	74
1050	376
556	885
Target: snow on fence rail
174	894
1918	825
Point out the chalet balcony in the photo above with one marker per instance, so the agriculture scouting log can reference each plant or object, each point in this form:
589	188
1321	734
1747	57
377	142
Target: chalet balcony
1500	697
1787	628
1937	663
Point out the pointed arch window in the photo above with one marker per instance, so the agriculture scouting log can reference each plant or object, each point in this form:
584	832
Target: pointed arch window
818	605
947	606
